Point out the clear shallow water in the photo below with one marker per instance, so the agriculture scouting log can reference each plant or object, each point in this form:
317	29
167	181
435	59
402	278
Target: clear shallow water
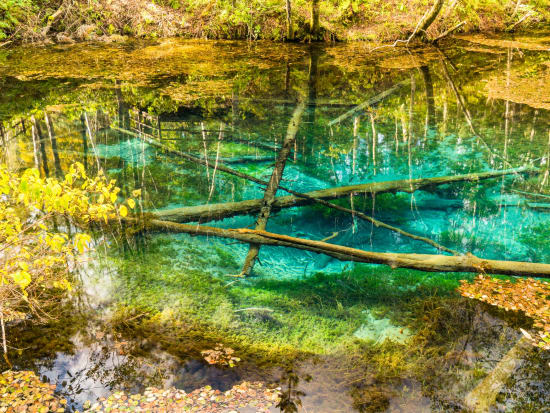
148	307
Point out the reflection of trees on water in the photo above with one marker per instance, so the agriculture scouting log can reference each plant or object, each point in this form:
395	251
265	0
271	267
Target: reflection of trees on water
386	139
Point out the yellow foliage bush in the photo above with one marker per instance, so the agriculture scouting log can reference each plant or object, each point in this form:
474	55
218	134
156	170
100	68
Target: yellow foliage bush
37	216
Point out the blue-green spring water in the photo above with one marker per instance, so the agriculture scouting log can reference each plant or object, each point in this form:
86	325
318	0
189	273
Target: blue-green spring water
359	337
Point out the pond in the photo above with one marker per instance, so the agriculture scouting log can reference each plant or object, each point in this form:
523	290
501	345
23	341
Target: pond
195	123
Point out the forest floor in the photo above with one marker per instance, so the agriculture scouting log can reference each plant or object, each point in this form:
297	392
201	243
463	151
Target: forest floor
24	391
61	21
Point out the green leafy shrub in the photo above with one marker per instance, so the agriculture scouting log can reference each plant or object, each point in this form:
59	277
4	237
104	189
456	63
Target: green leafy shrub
11	12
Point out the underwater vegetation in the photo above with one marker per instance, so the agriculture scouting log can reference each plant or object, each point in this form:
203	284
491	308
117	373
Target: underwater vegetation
152	309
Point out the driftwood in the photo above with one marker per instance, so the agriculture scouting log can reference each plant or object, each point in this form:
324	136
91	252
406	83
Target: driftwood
204	213
368	103
309	197
422	262
484	395
273	186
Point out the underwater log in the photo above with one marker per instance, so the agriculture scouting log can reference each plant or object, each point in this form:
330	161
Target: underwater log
313	199
273	185
212	212
310	196
484	395
423	262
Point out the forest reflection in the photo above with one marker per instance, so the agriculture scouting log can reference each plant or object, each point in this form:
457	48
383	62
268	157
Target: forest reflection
175	132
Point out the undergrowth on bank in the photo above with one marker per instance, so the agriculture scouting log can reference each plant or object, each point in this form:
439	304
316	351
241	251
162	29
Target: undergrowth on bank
66	21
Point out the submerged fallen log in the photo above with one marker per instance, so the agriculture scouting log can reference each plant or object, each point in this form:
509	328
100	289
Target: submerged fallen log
220	166
273	185
212	212
484	395
539	206
422	262
242	159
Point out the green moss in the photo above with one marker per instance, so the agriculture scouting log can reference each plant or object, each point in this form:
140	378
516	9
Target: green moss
317	314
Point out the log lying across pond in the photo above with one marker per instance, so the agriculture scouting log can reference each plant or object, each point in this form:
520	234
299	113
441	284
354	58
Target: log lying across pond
422	262
212	212
224	168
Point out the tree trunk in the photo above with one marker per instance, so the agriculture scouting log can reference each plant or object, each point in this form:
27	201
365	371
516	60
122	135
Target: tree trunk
313	199
484	395
204	213
38	137
273	186
314	21
53	142
429	89
423	262
289	27
427	20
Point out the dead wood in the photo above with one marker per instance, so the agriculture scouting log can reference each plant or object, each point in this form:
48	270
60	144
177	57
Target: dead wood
449	31
219	211
423	262
273	186
212	212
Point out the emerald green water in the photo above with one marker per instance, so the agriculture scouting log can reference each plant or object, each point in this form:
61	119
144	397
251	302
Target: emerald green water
349	337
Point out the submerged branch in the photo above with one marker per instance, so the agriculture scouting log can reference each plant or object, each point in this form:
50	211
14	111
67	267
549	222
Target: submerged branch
273	185
204	213
180	215
422	262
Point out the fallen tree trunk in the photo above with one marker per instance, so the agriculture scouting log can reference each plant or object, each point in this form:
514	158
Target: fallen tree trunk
251	178
309	197
484	395
422	262
273	186
242	159
449	31
204	213
427	21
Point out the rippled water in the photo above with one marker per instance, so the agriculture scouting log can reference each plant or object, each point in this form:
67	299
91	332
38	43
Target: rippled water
349	337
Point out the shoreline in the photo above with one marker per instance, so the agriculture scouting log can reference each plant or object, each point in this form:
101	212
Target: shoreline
111	21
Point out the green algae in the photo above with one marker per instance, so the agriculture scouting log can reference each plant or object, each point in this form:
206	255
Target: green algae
317	314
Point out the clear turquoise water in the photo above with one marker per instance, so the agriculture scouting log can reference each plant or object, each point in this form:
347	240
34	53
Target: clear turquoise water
359	337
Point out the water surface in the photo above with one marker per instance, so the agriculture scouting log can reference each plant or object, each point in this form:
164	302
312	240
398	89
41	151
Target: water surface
338	336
